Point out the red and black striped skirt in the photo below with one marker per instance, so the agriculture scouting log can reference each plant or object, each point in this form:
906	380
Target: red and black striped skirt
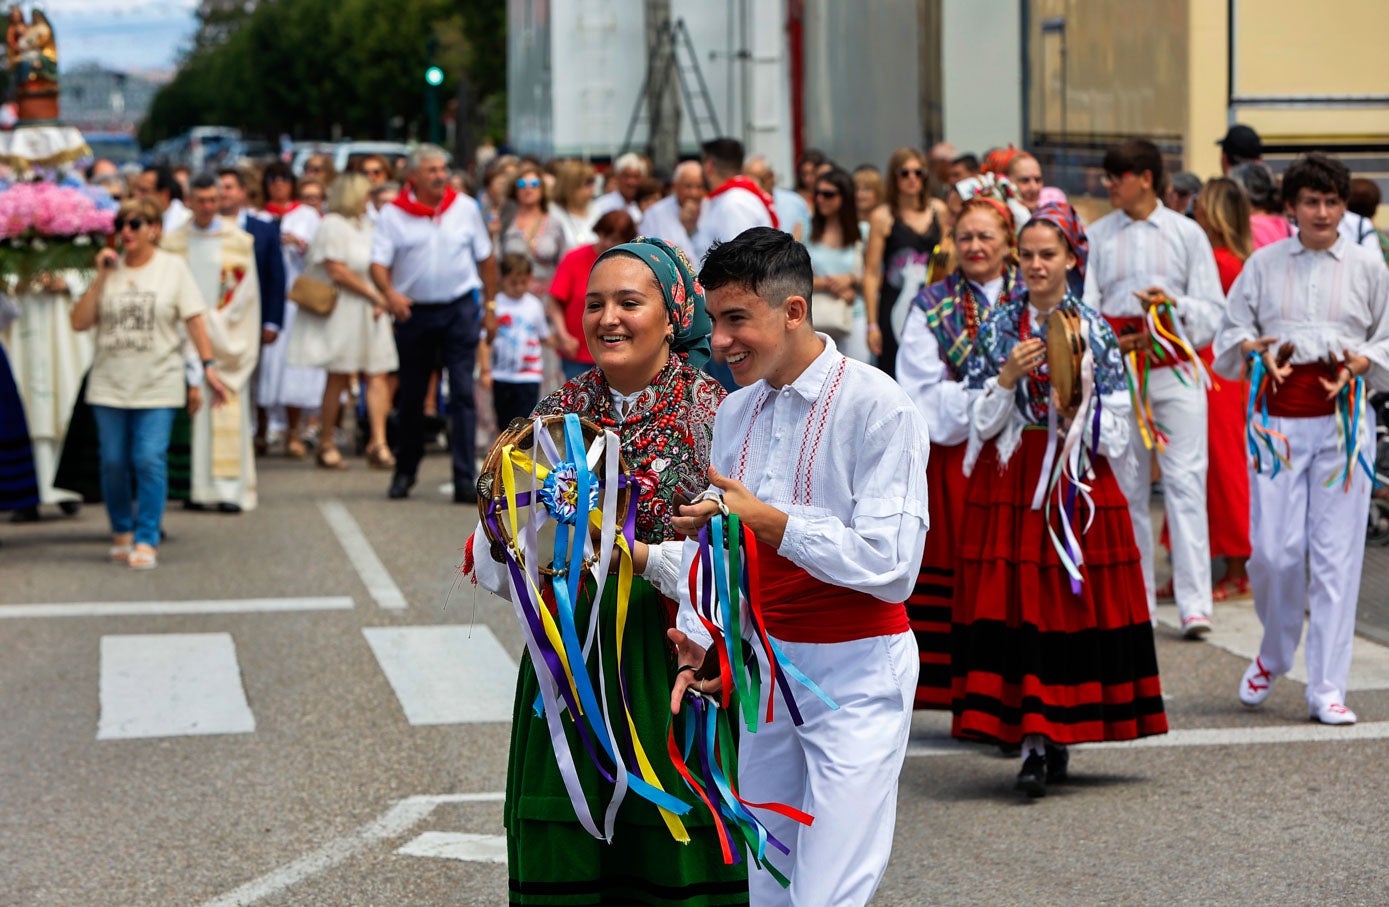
1029	656
931	605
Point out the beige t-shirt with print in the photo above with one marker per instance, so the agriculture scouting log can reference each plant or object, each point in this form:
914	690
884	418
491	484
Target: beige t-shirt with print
138	362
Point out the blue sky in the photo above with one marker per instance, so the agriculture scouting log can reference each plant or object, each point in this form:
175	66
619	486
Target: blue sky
140	35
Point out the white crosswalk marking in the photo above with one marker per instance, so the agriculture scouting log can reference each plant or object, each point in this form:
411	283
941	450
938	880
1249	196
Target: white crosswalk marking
457	845
171	685
446	674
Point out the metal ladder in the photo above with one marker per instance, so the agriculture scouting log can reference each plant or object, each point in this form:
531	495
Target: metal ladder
672	41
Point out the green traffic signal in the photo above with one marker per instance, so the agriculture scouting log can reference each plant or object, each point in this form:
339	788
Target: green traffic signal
434	76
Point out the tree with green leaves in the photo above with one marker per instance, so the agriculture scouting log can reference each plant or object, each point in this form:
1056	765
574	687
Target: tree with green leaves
315	68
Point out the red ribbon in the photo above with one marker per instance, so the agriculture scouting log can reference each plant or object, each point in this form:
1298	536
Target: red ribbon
407	202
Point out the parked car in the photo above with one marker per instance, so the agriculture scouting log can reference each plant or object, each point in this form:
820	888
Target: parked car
348	155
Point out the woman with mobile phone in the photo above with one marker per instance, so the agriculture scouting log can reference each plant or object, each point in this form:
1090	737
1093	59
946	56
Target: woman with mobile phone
136	303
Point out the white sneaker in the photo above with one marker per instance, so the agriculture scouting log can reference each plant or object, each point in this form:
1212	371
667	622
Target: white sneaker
1256	684
1333	713
1196	626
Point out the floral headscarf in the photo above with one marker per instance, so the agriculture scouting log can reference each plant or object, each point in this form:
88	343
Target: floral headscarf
684	297
994	186
1062	216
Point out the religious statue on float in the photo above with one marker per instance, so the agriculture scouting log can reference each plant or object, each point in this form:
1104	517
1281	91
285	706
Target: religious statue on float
31	54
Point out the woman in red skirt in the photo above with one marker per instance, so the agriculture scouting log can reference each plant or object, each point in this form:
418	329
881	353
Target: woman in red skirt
1052	644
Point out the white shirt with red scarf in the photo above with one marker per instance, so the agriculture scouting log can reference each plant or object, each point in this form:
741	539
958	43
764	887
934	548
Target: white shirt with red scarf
432	259
736	205
842	451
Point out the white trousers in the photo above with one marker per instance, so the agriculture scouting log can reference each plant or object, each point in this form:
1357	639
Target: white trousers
841	766
1308	546
1181	412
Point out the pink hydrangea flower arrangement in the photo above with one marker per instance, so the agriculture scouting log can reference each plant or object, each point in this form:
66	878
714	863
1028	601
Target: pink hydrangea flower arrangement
45	228
32	210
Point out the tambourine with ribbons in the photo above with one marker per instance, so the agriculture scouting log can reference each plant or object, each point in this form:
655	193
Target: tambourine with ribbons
1068	466
546	486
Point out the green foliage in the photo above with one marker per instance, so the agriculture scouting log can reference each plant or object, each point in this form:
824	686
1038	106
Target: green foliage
303	67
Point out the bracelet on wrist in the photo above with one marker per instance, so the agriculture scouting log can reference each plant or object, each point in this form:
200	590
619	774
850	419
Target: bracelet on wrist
209	363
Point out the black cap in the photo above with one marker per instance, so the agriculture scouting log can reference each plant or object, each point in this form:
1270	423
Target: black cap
1242	143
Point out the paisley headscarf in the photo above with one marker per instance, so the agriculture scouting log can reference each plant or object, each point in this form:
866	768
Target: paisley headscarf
684	297
1062	216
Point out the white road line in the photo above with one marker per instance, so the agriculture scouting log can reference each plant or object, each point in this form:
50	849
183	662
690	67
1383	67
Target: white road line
1238	631
171	685
457	845
1217	736
196	606
374	574
397	820
447	674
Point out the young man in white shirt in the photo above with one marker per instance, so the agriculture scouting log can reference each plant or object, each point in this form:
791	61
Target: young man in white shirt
1329	298
824	459
1139	253
736	203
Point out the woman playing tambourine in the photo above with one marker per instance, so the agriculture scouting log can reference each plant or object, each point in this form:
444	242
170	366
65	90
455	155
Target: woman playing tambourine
1052	644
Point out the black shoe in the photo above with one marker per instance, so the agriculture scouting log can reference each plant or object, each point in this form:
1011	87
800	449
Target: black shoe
400	487
1058	762
228	507
193	505
1032	780
465	493
25	515
70	508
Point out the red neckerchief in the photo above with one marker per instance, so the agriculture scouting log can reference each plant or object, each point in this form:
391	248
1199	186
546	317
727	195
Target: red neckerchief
405	201
742	182
279	210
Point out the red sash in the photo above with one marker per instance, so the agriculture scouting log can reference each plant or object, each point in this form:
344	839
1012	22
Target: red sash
1158	357
800	608
280	210
1301	395
742	182
405	200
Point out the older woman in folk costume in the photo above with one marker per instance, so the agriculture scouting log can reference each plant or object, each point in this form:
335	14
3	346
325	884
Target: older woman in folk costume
645	323
937	340
1053	644
1310	431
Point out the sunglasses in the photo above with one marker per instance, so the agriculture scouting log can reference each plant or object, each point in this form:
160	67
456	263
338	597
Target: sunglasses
911	171
1109	179
311	199
374	171
528	182
134	223
827	193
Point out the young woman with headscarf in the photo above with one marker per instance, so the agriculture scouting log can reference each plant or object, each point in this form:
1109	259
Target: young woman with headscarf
1052	644
645	324
937	340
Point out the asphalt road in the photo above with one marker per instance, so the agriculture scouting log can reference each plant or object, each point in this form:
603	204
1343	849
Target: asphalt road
295	762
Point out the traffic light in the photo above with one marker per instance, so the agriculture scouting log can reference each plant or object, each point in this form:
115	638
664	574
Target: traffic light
434	76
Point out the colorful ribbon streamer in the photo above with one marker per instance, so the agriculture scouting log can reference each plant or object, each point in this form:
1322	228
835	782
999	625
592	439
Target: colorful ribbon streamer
559	658
1259	436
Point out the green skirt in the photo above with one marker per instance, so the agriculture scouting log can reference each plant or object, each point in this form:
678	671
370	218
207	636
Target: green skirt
551	859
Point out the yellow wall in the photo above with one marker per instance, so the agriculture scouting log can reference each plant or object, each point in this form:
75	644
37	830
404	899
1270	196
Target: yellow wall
1292	47
1207	74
